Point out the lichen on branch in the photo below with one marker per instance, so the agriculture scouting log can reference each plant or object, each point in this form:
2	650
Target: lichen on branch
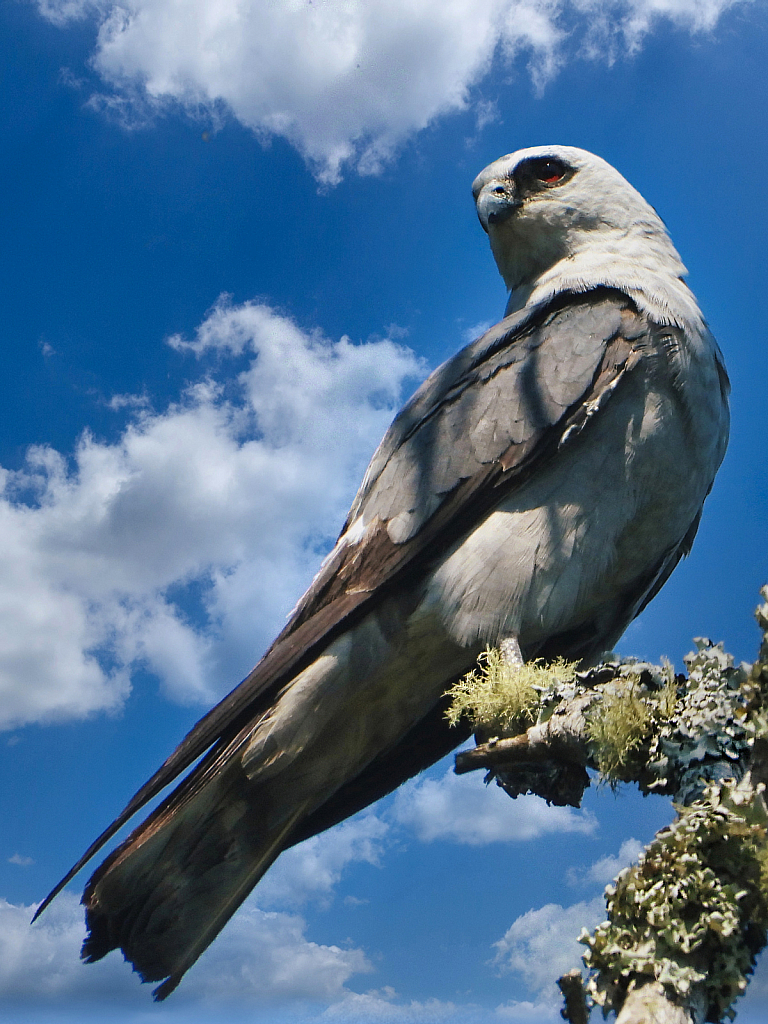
692	911
622	722
687	921
502	698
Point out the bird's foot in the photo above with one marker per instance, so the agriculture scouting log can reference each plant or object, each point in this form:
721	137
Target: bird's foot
510	651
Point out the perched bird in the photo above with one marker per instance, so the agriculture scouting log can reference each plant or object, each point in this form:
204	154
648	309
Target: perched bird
537	490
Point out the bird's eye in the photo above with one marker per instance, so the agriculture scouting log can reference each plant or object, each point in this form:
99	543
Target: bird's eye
549	171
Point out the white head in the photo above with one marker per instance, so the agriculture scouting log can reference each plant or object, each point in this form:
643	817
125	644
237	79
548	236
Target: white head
560	218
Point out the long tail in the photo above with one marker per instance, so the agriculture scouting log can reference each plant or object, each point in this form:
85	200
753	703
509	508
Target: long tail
167	892
350	727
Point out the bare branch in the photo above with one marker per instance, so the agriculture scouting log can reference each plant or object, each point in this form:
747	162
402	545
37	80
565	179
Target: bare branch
562	738
576	1010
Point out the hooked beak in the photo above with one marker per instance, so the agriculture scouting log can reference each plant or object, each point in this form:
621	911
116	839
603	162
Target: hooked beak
496	202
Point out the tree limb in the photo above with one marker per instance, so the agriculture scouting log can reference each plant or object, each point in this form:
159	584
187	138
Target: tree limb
651	1005
686	923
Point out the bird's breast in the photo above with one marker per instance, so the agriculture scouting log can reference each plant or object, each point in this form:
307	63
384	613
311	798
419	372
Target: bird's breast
564	547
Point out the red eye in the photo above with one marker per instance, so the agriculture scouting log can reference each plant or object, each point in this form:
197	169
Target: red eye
549	171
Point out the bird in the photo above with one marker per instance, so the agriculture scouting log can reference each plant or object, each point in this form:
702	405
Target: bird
536	492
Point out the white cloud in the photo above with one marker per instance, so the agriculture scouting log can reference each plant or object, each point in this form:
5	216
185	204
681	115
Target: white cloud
42	963
543	944
347	81
311	869
470	334
20	860
380	1007
694	15
266	956
259	957
227	498
524	1012
606	868
460	809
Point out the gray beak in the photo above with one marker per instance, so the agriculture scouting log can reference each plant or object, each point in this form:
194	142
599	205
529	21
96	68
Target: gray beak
496	202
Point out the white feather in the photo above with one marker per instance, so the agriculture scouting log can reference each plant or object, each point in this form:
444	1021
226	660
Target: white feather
601	232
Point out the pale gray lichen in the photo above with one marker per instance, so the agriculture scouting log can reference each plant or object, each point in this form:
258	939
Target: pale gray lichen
711	723
693	910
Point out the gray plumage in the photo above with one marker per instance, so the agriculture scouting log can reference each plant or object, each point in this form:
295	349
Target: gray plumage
541	485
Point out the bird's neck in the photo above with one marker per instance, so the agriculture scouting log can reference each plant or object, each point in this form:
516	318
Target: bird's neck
648	269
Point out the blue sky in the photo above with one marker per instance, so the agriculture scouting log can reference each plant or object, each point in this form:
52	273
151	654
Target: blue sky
236	237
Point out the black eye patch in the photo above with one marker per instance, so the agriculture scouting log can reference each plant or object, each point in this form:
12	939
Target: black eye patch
544	171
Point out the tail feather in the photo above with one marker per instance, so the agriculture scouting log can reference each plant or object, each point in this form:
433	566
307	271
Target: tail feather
324	750
169	890
227	908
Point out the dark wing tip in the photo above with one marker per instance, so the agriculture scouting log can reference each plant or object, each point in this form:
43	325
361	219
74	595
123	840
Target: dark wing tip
169	985
104	935
51	895
195	743
57	889
94	848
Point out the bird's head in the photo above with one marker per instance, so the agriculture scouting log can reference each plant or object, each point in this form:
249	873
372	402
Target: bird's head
561	212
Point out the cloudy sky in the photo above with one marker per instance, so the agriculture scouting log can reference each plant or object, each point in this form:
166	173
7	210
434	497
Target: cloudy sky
237	234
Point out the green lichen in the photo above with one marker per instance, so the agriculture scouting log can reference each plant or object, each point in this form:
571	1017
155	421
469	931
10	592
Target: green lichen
623	721
504	699
618	725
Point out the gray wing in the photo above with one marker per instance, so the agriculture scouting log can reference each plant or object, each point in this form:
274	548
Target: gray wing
481	424
475	429
499	393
